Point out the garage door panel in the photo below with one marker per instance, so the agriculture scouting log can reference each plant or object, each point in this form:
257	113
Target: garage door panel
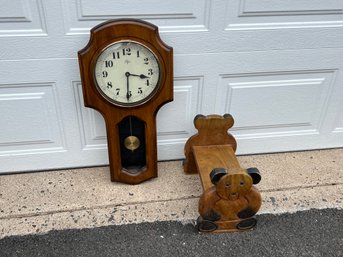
30	120
289	6
22	18
170	16
38	114
253	14
280	101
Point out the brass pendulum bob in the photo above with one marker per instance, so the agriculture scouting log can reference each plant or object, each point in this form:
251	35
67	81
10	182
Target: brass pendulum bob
132	143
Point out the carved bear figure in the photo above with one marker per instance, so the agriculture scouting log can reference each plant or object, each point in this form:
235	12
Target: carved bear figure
212	130
231	198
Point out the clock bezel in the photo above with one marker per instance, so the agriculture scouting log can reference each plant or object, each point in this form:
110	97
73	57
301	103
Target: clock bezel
136	41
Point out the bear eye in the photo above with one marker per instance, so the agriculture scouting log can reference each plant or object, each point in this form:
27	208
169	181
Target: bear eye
227	185
242	183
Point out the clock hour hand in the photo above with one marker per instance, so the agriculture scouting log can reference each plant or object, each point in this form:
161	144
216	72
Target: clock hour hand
142	76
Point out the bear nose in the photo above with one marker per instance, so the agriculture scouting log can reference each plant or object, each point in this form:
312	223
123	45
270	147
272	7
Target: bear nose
234	196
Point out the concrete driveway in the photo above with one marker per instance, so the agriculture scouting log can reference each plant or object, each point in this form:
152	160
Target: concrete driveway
55	202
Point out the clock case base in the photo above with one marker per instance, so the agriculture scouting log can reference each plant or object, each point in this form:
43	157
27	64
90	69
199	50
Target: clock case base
141	165
146	34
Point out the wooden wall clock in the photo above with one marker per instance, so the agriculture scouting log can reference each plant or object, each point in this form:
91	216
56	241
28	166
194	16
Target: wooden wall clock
127	75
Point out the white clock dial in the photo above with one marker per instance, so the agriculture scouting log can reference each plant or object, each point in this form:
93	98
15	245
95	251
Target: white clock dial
127	73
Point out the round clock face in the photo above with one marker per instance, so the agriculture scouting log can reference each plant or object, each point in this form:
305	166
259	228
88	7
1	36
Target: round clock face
127	73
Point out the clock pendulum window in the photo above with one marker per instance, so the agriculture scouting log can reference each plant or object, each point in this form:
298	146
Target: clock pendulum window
132	144
127	75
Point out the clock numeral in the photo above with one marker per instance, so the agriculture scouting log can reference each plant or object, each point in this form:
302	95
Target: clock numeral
140	91
126	51
104	74
117	91
150	72
116	55
146	61
137	53
147	82
109	85
108	64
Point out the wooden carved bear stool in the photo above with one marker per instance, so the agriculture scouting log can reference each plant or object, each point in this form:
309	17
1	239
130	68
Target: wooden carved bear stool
230	200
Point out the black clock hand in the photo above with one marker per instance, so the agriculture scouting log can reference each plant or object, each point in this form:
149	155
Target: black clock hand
128	93
142	76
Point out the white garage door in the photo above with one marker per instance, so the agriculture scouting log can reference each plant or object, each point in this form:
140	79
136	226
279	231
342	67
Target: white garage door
275	65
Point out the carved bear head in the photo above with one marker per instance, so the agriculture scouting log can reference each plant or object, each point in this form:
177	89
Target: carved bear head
231	185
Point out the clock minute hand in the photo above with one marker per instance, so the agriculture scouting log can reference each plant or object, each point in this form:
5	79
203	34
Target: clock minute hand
128	94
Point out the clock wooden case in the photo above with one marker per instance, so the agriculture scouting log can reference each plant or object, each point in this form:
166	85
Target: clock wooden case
127	75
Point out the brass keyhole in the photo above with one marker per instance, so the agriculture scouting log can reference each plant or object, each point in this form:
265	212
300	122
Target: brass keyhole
132	143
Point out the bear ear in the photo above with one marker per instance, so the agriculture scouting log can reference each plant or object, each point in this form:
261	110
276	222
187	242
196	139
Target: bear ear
197	117
229	120
216	175
255	175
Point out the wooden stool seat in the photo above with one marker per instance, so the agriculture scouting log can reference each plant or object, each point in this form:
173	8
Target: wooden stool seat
213	156
229	201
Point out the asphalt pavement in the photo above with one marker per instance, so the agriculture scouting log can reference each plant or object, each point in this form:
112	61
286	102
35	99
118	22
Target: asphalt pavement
307	233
